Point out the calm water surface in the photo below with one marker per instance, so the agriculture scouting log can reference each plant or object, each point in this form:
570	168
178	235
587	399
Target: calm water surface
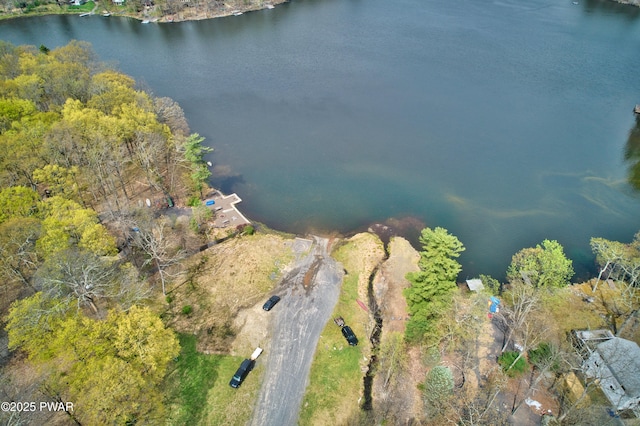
504	122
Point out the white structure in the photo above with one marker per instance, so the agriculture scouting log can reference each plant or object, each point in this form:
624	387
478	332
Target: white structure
256	354
475	285
615	364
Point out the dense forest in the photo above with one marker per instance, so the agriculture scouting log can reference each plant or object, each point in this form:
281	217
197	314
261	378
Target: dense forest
83	155
91	261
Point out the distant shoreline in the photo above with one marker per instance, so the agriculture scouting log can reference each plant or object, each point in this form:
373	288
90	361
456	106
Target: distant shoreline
149	14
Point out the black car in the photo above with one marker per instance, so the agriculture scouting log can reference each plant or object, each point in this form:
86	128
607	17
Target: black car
245	368
271	303
349	335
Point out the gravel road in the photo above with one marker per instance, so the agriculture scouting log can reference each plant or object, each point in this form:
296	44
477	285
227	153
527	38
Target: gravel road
309	293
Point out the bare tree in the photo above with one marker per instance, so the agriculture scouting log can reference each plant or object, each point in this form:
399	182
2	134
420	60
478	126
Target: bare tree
618	260
78	274
515	316
393	398
18	256
88	278
476	407
168	110
547	359
9	392
149	150
154	239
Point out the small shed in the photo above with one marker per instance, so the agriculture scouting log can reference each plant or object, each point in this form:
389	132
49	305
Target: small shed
475	285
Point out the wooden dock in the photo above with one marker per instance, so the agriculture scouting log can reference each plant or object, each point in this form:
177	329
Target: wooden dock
637	109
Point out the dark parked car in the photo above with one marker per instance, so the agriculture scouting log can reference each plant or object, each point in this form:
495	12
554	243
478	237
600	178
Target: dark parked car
245	368
271	303
349	335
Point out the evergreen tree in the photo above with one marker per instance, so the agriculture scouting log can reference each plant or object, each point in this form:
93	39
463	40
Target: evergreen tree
432	287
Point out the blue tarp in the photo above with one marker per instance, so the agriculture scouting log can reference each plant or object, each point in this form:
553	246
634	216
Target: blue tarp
210	202
495	302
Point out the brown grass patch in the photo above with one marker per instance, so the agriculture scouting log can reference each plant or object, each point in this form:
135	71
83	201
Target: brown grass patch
223	280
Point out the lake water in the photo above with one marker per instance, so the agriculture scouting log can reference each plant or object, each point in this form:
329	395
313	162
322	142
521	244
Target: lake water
504	121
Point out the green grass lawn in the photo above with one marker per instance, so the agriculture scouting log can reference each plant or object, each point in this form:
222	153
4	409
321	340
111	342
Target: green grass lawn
87	7
335	380
198	390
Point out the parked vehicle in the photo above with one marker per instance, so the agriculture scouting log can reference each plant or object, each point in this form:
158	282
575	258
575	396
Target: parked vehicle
241	373
346	331
349	335
271	303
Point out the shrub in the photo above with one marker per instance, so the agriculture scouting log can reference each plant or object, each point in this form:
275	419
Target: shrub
247	230
187	309
431	357
506	361
193	225
194	201
438	385
544	355
169	299
438	388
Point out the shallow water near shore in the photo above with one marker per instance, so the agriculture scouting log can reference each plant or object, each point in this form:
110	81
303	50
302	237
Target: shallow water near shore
504	122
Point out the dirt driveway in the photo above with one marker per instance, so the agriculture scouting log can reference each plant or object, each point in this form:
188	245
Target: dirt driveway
309	293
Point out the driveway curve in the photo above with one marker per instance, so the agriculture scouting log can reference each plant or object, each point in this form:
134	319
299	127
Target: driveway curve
309	294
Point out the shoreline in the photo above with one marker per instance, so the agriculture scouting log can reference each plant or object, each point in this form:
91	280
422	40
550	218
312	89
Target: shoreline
150	14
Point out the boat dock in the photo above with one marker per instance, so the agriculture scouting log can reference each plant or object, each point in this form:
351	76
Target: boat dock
225	210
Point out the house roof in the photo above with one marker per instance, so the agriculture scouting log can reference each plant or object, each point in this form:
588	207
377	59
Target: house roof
475	284
623	359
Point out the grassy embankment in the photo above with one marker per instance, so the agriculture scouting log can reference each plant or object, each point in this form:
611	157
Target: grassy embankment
200	392
336	378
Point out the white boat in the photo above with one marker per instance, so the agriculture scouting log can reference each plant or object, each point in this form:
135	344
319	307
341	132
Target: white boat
106	14
82	15
146	21
237	13
270	6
